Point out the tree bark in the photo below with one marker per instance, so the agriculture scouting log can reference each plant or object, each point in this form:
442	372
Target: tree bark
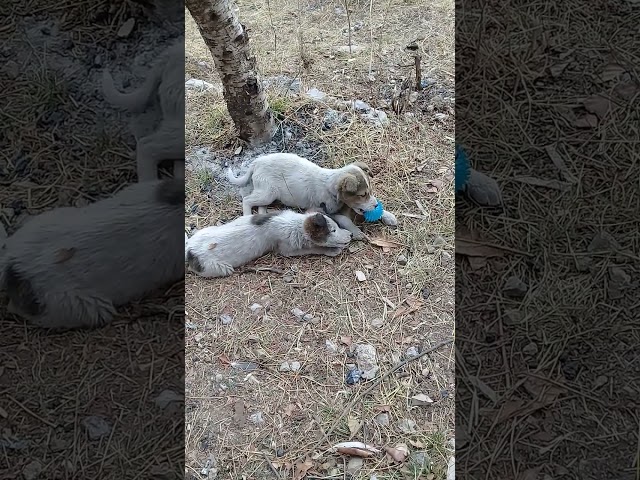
228	42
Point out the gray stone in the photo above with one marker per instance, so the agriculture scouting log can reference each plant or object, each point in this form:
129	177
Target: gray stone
439	241
420	461
367	361
317	95
402	260
530	349
376	117
257	418
226	319
299	314
354	465
195	84
382	419
126	28
361	106
32	470
167	397
96	427
331	346
412	352
514	287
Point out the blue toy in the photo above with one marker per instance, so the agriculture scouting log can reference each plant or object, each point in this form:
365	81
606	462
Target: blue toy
375	214
462	169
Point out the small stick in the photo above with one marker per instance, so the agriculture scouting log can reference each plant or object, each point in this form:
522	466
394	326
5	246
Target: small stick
47	422
271	467
417	60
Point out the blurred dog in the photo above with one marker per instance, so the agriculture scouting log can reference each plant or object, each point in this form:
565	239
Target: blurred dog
299	183
165	79
71	267
217	251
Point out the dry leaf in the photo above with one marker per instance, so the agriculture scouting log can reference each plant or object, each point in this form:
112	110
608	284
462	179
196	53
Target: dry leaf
417	444
381	242
587	121
354	425
398	453
473	249
558	68
413	305
612	71
420	400
302	469
597	104
212	246
484	388
358	449
627	90
288	410
224	359
346	340
382	408
64	254
477	263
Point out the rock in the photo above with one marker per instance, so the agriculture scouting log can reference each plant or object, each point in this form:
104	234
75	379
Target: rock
96	427
353	376
307	317
420	461
451	469
11	69
446	256
190	326
288	278
226	319
167	397
198	338
382	419
603	242
367	361
58	445
583	264
601	381
297	313
402	260
412	352
257	418
413	97
427	82
331	346
97	61
619	276
354	465
256	308
377	322
195	84
288	366
317	95
360	106
376	117
360	276
441	117
126	28
32	470
530	349
439	241
406	426
514	287
283	82
332	118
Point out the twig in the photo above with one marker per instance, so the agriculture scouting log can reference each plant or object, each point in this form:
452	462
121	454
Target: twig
47	422
417	60
271	467
380	379
262	269
346	8
273	27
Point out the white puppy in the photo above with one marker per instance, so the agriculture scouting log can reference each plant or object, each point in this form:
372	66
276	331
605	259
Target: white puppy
70	267
216	251
299	183
167	142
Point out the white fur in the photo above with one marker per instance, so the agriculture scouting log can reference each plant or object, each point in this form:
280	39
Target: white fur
81	263
167	142
221	249
299	183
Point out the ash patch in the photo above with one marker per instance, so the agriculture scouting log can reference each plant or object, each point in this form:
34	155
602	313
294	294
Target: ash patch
289	138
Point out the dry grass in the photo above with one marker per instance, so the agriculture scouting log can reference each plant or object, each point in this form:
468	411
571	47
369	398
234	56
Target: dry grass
556	366
303	412
56	152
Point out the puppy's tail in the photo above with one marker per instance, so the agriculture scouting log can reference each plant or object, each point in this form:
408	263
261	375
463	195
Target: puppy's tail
240	181
135	101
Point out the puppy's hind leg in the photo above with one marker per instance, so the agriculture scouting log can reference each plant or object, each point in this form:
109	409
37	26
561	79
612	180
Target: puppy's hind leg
153	149
74	310
257	199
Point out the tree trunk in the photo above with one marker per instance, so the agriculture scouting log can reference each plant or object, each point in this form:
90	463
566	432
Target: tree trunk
228	42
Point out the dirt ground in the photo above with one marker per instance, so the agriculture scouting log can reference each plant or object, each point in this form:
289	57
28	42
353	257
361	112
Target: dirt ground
547	374
245	416
81	404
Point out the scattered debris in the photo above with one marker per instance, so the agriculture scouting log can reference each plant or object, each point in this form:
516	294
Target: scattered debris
360	276
412	352
398	453
382	419
402	260
420	400
317	95
245	366
514	287
257	418
406	426
290	366
331	346
226	319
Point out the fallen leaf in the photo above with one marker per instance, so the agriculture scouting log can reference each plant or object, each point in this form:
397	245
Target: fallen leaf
436	183
385	244
412	305
360	276
288	410
417	443
612	71
64	254
398	453
484	388
530	474
212	246
346	340
382	408
301	469
558	68
420	400
357	449
354	425
477	263
432	189
597	104
627	90
224	359
239	413
473	249
587	121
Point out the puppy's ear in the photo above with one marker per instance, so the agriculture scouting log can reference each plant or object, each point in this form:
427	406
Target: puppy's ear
348	184
364	167
316	227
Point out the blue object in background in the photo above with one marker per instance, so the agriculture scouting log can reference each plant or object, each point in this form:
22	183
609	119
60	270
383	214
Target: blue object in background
375	214
462	168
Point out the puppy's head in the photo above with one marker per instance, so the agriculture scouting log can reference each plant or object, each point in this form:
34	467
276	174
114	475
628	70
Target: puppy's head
354	190
324	232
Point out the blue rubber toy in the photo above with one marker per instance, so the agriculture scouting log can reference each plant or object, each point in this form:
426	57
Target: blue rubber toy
375	214
462	169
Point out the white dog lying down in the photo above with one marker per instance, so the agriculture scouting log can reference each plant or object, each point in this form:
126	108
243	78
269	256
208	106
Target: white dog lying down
299	183
167	142
216	251
70	267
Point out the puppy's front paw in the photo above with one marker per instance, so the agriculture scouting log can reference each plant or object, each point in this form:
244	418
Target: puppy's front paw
333	252
358	235
389	219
